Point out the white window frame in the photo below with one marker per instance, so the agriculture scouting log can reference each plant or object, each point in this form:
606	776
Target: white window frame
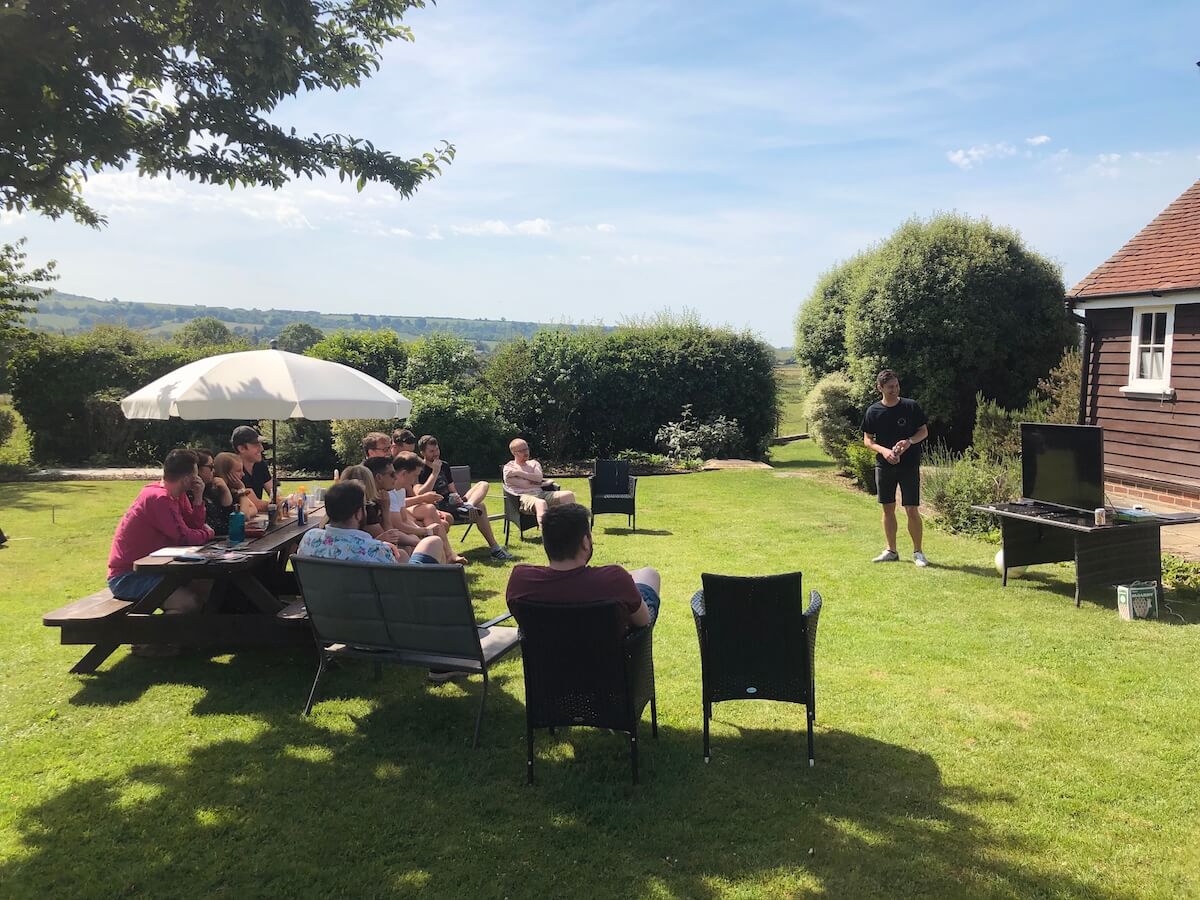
1156	388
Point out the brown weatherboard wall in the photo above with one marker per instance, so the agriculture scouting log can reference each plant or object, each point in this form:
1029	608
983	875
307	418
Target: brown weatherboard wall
1147	441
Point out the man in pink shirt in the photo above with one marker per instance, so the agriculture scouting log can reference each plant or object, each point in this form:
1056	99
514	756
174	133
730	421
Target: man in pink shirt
523	477
169	513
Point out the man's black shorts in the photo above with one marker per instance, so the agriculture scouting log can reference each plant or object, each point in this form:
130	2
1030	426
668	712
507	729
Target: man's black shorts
907	477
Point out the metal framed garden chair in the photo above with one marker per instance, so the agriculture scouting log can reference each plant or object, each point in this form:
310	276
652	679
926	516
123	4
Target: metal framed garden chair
408	615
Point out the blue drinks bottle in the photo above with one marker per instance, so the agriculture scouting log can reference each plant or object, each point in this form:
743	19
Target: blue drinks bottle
237	527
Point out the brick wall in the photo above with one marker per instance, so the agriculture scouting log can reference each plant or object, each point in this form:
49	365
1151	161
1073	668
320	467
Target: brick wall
1154	493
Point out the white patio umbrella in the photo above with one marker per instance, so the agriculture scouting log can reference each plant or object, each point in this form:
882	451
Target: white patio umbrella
266	384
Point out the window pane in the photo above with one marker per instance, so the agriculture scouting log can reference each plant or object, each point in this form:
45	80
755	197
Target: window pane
1157	358
1144	364
1160	328
1147	327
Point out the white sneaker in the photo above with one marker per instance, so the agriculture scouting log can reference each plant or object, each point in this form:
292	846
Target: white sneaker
887	556
920	560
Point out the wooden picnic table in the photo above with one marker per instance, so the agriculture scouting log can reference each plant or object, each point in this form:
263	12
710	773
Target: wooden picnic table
256	568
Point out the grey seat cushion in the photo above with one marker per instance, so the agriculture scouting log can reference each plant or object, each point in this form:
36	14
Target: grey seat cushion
497	640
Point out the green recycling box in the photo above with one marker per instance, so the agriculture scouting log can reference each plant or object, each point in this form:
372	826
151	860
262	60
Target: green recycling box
1138	600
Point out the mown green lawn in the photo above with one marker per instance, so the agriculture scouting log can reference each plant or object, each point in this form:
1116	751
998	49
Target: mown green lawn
971	740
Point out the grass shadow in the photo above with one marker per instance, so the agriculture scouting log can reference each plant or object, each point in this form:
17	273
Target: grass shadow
641	532
389	794
37	496
785	465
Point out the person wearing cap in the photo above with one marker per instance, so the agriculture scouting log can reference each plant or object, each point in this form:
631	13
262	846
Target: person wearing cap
256	475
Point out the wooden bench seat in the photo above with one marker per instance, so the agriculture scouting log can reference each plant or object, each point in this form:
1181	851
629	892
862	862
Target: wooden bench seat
99	605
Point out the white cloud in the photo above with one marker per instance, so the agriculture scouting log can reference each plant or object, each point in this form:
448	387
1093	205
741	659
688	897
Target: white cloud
9	217
400	232
1038	140
434	234
973	156
1108	158
606	228
493	227
533	226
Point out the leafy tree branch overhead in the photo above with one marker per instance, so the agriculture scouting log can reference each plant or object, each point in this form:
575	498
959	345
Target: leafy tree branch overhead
185	88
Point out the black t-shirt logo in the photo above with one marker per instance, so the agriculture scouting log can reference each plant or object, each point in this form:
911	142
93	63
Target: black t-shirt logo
902	421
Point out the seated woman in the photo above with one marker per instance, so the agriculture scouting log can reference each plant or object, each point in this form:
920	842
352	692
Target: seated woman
218	499
377	520
228	467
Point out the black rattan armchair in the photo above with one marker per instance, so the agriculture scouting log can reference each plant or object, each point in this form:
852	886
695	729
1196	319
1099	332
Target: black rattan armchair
614	490
514	515
757	642
582	668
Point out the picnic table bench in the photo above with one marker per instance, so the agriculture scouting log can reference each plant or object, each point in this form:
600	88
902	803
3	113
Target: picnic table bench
257	571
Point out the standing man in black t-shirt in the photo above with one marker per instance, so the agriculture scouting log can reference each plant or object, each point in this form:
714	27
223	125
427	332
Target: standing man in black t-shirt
256	475
894	427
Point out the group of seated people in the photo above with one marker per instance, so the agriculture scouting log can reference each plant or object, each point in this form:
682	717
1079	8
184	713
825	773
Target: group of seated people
192	504
395	508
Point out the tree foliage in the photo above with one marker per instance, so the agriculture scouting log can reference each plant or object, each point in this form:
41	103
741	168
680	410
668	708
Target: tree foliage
205	332
821	322
956	306
68	391
441	359
185	88
298	337
18	294
381	354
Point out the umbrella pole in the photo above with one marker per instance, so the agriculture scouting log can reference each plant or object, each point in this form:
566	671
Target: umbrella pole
274	463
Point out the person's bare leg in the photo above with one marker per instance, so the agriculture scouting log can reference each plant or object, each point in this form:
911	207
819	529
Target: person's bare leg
431	546
426	514
916	528
478	491
648	577
484	525
539	509
564	497
889	525
442	533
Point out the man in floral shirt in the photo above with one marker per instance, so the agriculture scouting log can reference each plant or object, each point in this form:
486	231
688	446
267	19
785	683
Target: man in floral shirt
341	538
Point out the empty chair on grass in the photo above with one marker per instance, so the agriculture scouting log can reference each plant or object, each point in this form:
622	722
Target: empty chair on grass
614	490
757	642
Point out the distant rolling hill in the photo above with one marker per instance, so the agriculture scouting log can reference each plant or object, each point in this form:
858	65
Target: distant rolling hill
71	313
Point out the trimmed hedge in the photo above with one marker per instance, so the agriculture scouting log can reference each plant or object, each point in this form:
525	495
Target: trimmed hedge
585	393
68	391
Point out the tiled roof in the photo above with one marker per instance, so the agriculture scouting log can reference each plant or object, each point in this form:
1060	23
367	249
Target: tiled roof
1163	256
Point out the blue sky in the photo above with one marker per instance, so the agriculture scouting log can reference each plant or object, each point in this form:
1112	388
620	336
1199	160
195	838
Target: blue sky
620	158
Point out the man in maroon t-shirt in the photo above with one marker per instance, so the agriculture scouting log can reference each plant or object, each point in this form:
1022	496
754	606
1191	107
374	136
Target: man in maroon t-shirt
567	540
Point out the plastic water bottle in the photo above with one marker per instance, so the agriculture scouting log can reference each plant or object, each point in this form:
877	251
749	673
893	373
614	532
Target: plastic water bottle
301	503
237	527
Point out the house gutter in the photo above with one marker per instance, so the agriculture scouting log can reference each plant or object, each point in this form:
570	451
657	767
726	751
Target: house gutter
1085	352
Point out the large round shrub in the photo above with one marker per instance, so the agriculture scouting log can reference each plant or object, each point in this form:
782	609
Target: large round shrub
834	415
956	306
821	322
